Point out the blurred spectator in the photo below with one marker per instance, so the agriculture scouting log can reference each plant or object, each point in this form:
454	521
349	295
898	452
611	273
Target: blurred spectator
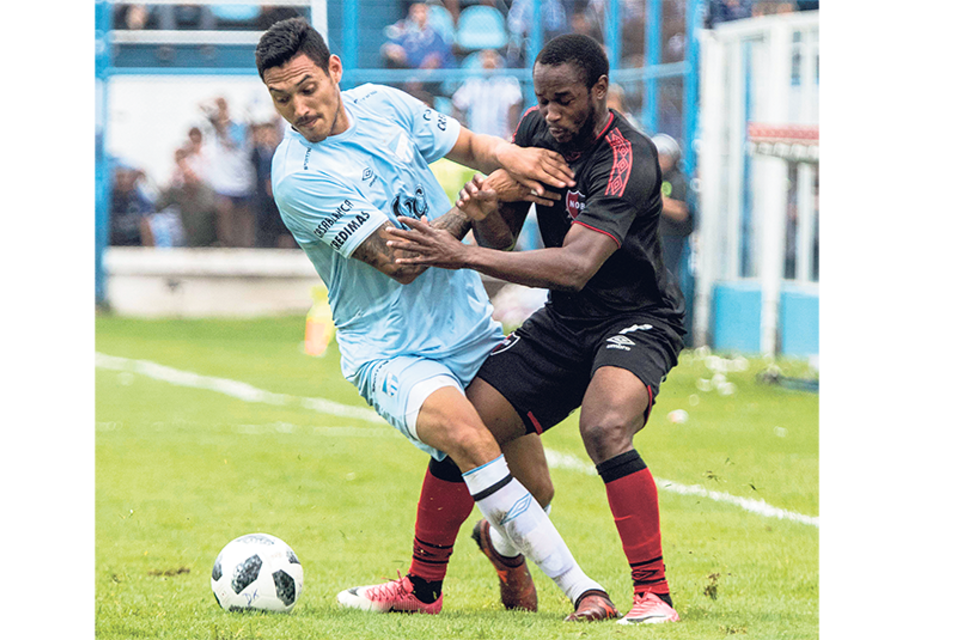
585	21
632	26
726	10
772	7
129	208
414	44
166	227
489	103
185	16
192	200
617	100
270	14
131	16
231	176
676	223
197	157
270	232
673	21
167	17
553	14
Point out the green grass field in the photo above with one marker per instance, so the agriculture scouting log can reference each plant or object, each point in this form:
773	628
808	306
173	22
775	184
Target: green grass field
183	467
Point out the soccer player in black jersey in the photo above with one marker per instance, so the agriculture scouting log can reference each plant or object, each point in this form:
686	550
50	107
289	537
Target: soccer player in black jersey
613	324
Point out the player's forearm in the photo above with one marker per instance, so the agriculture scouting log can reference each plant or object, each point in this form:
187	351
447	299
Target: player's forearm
493	233
501	228
550	268
484	153
454	221
375	251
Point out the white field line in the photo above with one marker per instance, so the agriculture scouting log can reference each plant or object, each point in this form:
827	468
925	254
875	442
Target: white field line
555	459
558	460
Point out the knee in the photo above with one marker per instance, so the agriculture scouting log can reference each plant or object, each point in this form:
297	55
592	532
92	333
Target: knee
470	447
606	438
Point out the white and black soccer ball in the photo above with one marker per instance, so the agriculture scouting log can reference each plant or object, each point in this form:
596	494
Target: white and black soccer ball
257	571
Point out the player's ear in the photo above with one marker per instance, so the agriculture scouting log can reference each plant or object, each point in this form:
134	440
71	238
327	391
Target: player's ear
335	68
600	88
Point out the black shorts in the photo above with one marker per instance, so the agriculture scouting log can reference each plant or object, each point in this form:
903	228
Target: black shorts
543	368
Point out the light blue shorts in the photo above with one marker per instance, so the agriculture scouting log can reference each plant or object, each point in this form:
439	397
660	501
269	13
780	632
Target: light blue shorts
396	388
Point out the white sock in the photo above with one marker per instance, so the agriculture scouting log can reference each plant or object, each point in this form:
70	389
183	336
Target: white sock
512	511
503	545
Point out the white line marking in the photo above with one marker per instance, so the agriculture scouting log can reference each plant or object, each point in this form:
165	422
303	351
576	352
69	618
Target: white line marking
558	460
555	459
233	388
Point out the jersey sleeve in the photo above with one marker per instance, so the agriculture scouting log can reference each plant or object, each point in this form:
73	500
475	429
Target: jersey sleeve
624	184
320	209
433	133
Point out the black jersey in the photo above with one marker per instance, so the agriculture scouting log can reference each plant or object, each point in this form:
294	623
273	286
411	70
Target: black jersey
617	194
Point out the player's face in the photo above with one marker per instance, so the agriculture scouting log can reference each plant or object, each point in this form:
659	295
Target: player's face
571	109
308	97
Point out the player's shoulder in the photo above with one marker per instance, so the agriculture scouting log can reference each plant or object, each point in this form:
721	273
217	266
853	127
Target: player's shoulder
624	160
297	165
620	132
373	96
364	93
287	156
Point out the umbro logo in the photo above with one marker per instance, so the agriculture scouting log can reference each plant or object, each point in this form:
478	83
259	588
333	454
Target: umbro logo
367	174
518	508
620	342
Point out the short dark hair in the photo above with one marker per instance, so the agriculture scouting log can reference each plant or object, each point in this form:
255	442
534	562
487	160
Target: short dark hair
581	51
287	39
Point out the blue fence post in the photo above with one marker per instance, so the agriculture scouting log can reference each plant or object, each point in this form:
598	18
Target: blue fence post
612	33
650	114
351	34
103	19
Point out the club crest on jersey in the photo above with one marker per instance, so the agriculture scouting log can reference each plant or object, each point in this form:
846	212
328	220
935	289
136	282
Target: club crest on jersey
411	207
574	203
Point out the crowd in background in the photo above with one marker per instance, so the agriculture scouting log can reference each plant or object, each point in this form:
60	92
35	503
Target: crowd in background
219	192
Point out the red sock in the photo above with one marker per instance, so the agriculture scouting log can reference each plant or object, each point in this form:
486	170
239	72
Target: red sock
445	504
632	495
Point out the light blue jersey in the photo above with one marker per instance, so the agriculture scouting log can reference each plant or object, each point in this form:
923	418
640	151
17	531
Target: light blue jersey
334	194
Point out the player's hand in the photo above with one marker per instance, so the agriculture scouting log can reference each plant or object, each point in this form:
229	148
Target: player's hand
510	190
533	168
425	245
477	201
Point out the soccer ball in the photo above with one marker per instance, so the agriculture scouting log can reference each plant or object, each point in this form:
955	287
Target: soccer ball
257	571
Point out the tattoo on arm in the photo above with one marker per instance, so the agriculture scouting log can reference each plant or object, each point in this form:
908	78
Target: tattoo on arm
455	222
375	252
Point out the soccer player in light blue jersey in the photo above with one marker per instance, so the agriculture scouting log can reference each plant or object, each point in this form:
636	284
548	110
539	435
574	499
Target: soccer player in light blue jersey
411	338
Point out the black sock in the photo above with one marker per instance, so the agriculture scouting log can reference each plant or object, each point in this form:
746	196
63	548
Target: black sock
665	597
426	592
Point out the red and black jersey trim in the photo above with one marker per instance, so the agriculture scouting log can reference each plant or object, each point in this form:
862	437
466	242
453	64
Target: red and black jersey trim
622	163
